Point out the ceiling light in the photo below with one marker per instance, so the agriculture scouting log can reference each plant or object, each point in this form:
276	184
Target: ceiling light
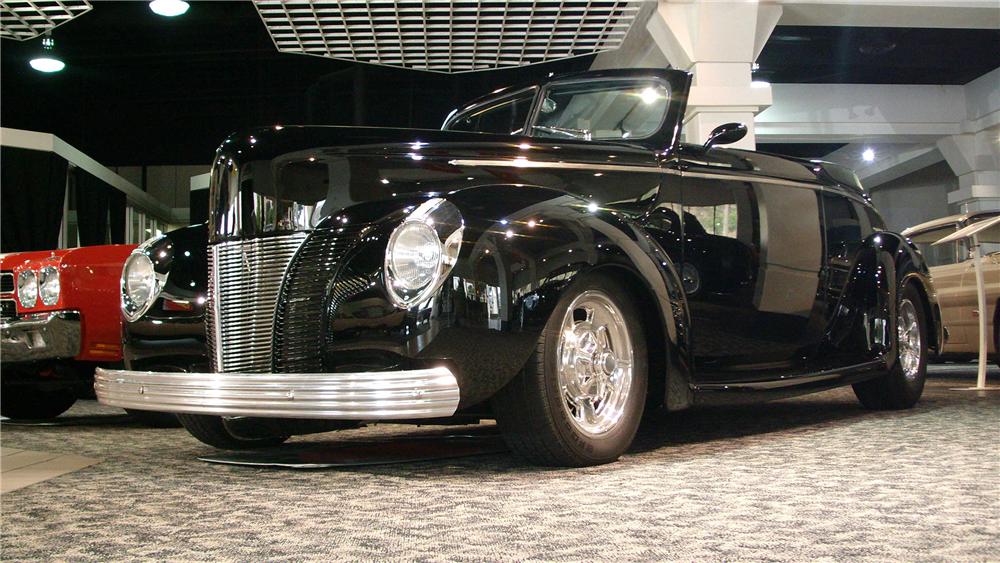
47	61
169	8
868	155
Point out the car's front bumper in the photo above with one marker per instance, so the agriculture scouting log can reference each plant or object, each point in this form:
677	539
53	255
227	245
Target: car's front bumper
378	395
40	336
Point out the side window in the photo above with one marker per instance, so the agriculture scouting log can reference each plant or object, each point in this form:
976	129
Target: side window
942	254
506	117
722	239
874	219
843	229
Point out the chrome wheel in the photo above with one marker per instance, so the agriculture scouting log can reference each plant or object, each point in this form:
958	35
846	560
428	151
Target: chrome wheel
594	363
908	331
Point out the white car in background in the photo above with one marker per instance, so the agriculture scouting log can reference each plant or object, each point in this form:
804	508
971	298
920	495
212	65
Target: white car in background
954	277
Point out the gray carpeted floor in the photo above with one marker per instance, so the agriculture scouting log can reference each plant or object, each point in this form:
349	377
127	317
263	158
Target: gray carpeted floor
814	478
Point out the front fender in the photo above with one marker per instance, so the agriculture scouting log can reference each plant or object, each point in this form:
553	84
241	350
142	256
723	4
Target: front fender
522	247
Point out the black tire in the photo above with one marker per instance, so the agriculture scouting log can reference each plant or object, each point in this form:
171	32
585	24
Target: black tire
155	419
530	409
894	390
28	402
210	430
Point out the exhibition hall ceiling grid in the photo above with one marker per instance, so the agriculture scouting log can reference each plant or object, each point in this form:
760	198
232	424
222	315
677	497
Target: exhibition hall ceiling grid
448	36
21	19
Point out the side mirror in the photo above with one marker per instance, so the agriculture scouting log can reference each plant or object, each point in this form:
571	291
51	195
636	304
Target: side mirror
726	134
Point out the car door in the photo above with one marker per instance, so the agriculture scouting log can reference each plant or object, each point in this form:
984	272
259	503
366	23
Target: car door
956	299
753	249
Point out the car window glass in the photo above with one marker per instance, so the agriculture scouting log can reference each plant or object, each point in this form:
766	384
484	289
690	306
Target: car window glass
506	117
843	227
942	254
874	219
722	239
602	110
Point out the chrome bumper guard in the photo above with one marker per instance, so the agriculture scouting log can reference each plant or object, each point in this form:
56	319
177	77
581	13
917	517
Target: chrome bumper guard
40	336
380	395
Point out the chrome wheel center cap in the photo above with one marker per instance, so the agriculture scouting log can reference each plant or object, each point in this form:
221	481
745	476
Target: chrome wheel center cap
609	363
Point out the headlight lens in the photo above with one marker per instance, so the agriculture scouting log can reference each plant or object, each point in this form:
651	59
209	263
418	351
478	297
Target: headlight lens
48	285
422	251
27	288
139	285
414	255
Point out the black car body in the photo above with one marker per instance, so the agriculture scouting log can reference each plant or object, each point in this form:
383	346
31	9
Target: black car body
753	276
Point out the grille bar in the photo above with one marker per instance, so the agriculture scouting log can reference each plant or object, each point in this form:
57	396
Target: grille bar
298	334
7	309
6	282
243	285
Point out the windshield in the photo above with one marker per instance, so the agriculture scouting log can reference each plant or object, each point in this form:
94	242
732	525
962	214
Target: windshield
605	110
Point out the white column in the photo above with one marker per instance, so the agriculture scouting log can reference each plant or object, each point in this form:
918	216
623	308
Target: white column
718	43
974	155
975	159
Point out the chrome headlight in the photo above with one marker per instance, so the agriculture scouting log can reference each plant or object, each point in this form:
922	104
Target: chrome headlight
48	285
421	252
140	284
27	288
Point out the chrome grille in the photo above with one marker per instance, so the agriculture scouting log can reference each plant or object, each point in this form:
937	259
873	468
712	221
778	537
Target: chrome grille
6	282
243	285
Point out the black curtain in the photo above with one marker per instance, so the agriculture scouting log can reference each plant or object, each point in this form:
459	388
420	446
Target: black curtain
33	193
199	206
92	202
116	206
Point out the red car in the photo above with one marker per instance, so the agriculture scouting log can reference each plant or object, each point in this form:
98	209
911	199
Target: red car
60	319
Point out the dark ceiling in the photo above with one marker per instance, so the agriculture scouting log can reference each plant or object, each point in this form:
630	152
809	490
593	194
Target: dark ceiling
878	55
142	89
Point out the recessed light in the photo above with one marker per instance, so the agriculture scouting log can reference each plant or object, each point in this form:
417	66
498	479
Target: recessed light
169	8
868	155
47	61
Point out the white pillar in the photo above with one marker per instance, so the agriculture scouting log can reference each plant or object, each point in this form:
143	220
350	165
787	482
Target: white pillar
975	159
718	43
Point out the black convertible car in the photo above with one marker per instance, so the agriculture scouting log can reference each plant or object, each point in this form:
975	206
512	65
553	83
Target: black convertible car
553	258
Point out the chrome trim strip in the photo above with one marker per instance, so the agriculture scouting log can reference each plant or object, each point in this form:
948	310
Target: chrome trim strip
746	178
525	163
791	381
380	395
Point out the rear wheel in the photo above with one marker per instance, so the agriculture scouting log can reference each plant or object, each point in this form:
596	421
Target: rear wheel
212	431
902	386
580	398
